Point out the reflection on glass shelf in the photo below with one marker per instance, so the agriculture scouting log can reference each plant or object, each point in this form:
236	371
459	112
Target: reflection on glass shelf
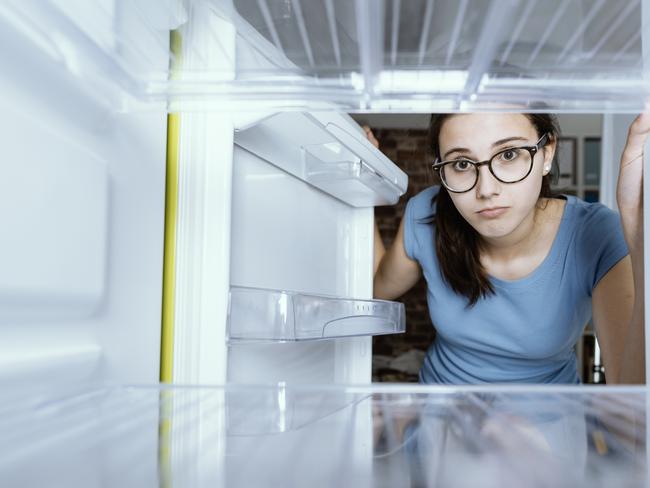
257	314
296	436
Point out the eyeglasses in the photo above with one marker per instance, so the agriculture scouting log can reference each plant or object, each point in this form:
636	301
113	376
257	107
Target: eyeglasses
508	166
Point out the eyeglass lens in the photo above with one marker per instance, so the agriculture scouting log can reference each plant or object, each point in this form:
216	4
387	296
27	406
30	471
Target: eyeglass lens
508	166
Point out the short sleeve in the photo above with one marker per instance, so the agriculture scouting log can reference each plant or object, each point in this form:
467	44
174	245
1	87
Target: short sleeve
601	244
410	242
417	217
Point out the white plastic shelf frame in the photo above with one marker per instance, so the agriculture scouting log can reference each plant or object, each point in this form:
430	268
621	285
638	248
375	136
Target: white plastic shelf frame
329	151
261	315
352	55
383	436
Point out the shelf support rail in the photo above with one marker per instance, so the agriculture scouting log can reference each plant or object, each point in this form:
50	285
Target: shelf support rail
369	21
499	17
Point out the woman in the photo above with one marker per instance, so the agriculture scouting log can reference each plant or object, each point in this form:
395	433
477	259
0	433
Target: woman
512	273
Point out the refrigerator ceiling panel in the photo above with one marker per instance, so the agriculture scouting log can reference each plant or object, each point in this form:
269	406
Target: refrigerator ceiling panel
388	55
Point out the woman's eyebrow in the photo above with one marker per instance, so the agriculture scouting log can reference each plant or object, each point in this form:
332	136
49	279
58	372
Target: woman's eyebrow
458	150
509	139
464	150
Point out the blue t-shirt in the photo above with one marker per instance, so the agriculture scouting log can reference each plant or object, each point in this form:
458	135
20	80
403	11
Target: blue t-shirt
527	330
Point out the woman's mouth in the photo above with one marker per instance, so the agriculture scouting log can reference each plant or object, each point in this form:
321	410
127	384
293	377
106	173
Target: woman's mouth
492	212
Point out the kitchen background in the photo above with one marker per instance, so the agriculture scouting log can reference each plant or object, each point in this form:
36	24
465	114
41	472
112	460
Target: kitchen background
404	138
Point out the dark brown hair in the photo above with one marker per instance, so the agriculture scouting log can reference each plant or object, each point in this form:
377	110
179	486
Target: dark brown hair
458	245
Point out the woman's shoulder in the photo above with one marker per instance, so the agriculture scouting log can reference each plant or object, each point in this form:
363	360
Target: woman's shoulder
599	240
595	224
583	212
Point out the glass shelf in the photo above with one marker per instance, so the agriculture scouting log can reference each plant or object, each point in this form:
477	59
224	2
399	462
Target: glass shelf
362	55
375	435
262	315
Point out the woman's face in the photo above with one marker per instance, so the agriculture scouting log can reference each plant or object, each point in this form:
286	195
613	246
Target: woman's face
494	209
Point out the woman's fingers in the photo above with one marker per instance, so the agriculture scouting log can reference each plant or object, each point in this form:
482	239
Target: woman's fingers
371	137
641	125
636	139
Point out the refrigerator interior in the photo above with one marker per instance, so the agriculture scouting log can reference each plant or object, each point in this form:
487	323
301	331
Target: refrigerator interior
88	89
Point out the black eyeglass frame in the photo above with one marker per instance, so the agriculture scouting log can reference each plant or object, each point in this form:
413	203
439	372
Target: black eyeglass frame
438	165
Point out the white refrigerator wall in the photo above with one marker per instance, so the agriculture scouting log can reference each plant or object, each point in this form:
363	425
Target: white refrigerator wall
288	235
82	206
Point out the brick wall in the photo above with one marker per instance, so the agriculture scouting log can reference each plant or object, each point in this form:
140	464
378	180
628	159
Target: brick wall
409	149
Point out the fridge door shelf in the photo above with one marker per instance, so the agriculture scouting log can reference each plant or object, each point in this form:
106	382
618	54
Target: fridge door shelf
329	151
263	315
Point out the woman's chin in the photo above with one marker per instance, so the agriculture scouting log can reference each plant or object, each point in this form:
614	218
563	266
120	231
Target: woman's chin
493	230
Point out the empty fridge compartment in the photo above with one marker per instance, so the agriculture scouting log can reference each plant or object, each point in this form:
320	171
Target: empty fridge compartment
257	314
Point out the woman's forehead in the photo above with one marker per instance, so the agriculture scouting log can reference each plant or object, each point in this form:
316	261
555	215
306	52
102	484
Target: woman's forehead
481	129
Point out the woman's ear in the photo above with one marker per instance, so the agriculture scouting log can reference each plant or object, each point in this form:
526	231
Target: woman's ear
549	153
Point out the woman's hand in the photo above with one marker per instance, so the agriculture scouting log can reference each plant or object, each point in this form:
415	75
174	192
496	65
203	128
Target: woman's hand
371	137
629	194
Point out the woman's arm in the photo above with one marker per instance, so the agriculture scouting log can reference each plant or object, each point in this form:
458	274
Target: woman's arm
618	299
380	250
396	273
612	306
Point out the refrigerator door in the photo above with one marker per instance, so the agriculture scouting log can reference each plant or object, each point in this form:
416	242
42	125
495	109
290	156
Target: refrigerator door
81	201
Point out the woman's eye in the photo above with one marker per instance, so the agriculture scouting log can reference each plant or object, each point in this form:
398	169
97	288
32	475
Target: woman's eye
462	165
510	154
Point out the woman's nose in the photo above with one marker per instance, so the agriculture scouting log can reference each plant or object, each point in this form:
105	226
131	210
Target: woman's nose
487	185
